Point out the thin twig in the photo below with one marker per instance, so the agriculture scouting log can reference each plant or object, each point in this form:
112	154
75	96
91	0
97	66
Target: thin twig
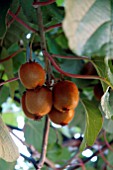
44	144
12	55
52	27
22	22
31	149
107	143
10	80
102	156
12	20
37	4
29	159
94	154
71	57
69	74
14	128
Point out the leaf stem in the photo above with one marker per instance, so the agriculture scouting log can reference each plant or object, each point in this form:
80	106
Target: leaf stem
21	22
12	20
12	55
70	57
10	80
69	74
37	4
52	26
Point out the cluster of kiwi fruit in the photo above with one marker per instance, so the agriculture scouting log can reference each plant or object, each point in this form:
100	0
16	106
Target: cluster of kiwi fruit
39	100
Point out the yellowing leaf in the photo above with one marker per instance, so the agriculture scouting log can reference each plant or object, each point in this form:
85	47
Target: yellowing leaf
8	149
105	104
87	25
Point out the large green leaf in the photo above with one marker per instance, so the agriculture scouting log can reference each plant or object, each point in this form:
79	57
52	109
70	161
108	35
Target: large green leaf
50	13
94	123
29	11
110	159
103	70
4	93
8	66
87	25
15	31
7	165
34	133
4	6
59	154
79	118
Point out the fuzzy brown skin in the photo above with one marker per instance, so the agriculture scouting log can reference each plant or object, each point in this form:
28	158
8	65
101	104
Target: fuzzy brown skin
65	95
61	118
26	112
31	75
39	101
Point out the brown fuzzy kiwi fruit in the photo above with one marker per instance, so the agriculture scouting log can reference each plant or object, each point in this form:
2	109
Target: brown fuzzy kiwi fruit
26	112
65	95
61	118
39	101
31	75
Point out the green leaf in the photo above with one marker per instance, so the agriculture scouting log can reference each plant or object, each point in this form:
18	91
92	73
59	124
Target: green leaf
110	159
29	11
75	67
33	132
59	154
8	66
93	123
79	118
99	63
53	46
7	165
4	6
16	31
87	22
4	93
59	2
108	125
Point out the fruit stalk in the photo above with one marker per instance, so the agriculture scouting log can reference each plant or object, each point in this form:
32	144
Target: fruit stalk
42	37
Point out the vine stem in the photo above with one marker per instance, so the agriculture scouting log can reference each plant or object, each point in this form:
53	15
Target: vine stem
69	74
71	57
53	26
37	4
10	80
12	20
47	68
21	22
31	149
103	157
12	55
107	143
